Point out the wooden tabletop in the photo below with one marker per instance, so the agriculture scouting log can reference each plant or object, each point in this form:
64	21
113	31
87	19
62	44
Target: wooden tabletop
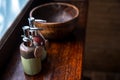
64	58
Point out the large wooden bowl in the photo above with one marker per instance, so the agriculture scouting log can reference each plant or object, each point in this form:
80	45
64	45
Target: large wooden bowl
61	19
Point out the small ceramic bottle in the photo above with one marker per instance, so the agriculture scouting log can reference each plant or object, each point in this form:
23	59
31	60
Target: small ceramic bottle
30	55
39	41
38	38
31	64
32	49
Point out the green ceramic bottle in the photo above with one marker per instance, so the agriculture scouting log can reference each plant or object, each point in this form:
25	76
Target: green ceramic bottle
31	60
32	49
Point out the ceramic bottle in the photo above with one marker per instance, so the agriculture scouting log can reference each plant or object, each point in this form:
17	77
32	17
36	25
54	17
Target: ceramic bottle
30	54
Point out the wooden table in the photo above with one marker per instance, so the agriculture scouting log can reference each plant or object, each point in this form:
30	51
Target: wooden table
64	58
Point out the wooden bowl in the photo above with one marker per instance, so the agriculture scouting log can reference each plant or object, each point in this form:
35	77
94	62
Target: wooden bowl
61	19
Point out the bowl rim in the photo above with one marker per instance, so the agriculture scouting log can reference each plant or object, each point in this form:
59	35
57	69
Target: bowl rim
51	3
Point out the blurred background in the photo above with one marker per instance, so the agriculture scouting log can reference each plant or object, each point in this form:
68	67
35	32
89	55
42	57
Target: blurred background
102	47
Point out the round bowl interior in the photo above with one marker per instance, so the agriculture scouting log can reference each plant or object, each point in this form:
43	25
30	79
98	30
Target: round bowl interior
55	12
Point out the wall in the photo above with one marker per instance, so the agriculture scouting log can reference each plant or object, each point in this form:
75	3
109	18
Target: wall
102	49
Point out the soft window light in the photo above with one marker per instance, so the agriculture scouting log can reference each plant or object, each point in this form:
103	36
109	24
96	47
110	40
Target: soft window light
9	10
